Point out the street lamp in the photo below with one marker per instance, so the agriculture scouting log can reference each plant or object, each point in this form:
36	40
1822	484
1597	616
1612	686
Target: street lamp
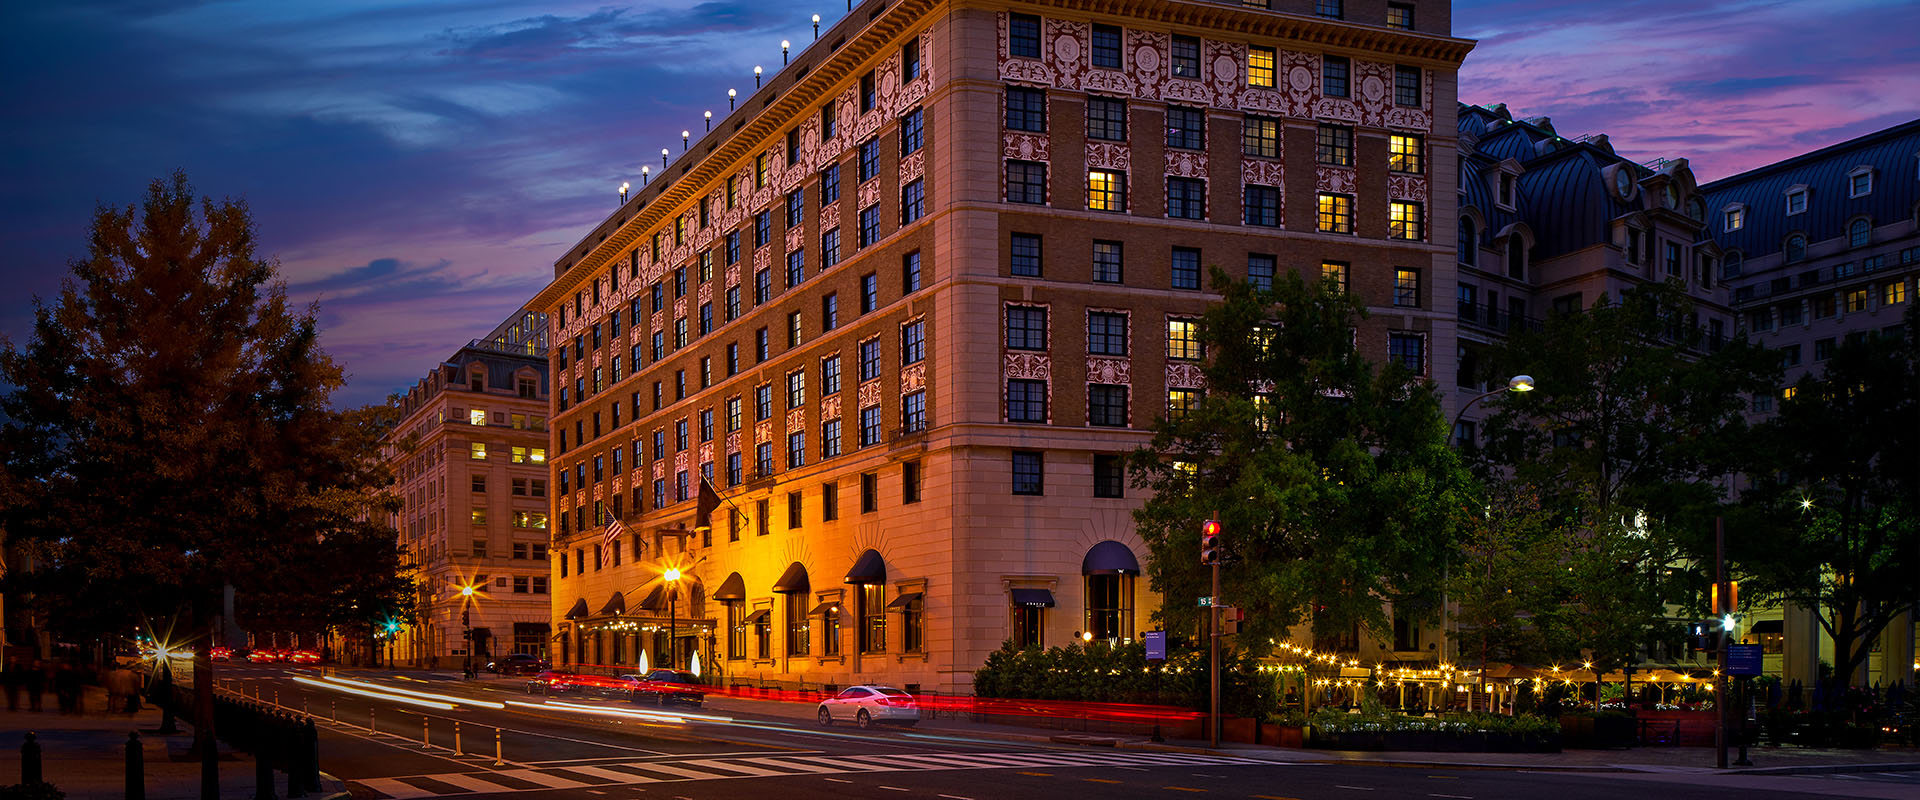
624	186
784	44
709	116
756	76
816	26
466	622
730	95
643	174
1519	384
672	577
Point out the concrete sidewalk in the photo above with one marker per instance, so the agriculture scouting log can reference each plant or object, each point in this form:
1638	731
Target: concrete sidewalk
85	755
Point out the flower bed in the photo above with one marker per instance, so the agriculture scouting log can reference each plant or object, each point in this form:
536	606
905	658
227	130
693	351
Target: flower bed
1459	733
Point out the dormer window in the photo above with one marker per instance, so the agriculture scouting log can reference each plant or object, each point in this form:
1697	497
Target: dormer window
1735	218
1796	200
1860	182
1796	248
1506	189
1859	232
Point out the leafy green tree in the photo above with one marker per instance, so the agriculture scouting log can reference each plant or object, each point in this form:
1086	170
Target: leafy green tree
1626	444
1332	477
1834	524
168	433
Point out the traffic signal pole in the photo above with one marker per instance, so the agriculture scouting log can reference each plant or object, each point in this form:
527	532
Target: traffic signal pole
1213	645
1723	609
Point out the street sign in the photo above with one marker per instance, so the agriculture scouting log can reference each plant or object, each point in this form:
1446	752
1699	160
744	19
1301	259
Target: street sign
1205	602
1743	660
1156	642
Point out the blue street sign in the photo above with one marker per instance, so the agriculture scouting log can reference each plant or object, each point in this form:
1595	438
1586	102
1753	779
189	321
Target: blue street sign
1156	642
1743	660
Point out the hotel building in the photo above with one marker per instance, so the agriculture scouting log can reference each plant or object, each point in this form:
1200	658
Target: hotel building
909	305
476	427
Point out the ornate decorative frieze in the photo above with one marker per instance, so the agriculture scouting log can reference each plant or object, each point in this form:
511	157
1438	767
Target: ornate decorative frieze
1027	366
870	394
733	441
763	431
1109	370
1182	375
1109	155
1407	187
830	406
1186	164
1026	146
1335	180
868	194
796	419
913	377
913	166
1262	172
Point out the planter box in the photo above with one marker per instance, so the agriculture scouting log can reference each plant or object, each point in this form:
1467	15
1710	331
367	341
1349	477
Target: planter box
1237	729
1283	736
1432	742
1606	732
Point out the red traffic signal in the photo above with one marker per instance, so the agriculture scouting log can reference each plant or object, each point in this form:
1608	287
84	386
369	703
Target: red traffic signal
1210	542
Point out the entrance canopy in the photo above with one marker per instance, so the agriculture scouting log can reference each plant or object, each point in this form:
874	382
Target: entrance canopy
578	610
870	568
617	604
1042	598
733	588
794	580
1110	558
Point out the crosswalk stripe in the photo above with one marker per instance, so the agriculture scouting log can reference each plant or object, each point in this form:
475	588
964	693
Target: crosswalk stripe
791	765
614	775
467	781
753	771
848	764
654	766
543	779
398	790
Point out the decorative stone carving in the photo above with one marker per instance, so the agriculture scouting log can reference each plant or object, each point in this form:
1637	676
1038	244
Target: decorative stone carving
1067	43
1030	70
796	239
1026	146
868	194
796	420
1300	76
705	294
1109	155
659	470
913	377
733	441
1028	366
706	452
619	483
1335	180
763	431
1407	187
829	217
680	308
1186	164
1261	172
1187	91
1182	375
1148	51
680	461
1109	370
830	406
913	166
659	320
869	394
733	272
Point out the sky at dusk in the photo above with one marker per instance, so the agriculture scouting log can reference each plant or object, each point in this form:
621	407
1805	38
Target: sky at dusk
416	166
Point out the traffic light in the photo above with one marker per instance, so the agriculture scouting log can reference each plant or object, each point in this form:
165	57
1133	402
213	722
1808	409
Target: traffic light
1210	542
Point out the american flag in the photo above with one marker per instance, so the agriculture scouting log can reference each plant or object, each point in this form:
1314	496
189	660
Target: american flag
614	529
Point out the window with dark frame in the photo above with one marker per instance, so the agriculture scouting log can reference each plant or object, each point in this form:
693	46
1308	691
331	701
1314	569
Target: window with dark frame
1025	259
1106	118
1106	333
1186	128
1260	137
1106	47
1333	145
1109	476
1106	405
1186	57
1027	182
1260	271
1106	190
1186	268
1023	36
1406	87
1262	205
1186	198
1029	477
1026	328
1107	260
1026	109
1026	400
1334	74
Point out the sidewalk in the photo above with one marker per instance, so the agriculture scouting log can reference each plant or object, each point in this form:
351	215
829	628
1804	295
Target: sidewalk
85	755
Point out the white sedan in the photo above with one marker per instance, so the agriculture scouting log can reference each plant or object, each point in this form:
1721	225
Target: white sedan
867	705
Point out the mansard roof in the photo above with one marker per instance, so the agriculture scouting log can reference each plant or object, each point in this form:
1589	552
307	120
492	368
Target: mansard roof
1893	156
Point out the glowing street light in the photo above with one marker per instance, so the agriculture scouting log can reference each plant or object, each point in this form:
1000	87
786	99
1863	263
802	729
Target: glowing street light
672	577
756	76
623	192
730	95
643	174
784	44
816	27
466	622
709	116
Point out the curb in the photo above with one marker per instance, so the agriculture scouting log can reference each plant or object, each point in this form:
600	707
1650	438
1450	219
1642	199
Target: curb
1823	769
332	788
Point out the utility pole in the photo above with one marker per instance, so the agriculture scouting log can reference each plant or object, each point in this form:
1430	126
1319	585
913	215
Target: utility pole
1210	554
1723	610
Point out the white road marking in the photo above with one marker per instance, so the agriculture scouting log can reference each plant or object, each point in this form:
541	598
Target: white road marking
1453	796
1355	788
838	780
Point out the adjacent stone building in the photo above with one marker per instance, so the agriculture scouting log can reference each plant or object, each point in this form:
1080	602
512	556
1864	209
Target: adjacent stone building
469	458
910	303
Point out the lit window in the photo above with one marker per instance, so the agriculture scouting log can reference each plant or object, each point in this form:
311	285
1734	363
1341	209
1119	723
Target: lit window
479	516
1406	287
1183	339
1736	219
1405	153
478	451
1894	292
1788	392
477	417
1336	213
1403	221
1260	67
1336	273
1400	15
1334	145
1181	402
1106	190
1856	300
1260	136
519	455
539	455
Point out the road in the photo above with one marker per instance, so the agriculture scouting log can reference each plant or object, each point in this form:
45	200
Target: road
728	750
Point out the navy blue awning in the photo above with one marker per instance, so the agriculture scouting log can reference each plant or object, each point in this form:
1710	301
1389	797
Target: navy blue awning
1110	558
869	569
1033	597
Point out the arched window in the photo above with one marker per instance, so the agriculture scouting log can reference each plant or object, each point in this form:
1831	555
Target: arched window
1109	569
1796	248
1516	257
1469	244
1858	232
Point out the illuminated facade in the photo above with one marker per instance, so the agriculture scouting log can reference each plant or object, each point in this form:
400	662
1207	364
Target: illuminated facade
910	304
469	461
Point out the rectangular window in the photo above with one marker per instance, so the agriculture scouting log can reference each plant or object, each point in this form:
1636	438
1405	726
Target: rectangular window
1025	262
1023	36
828	119
1400	15
869	492
796	268
796	449
868	161
1336	213
1106	333
1856	300
1404	221
1333	144
1106	118
869	225
829	185
1260	66
869	292
1106	405
830	311
830	375
829	249
866	93
1183	339
1186	128
1260	137
1262	205
910	272
1029	472
1026	328
913	201
1796	201
1186	57
796	207
1107	262
913	412
762	287
1181	402
794	330
1027	182
1406	287
1334	72
1260	269
910	60
910	482
796	389
1186	268
869	359
762	402
1026	400
1106	190
1406	152
1406	87
1186	198
1026	109
1109	476
912	131
1408	350
869	426
830	438
913	342
1106	47
1893	293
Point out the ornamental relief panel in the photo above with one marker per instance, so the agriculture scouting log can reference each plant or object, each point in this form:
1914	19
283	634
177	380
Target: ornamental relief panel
1407	187
1335	180
1185	376
796	239
680	308
763	431
1186	164
1220	62
1148	51
913	166
1187	91
1109	80
659	320
868	194
733	441
618	484
1109	155
829	217
796	420
1254	171
1109	370
1032	70
869	394
830	406
598	493
913	377
680	461
1420	119
1026	146
706	452
659	470
760	260
1068	42
705	295
1027	366
1300	81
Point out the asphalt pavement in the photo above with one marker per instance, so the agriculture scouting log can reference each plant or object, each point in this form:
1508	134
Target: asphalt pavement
574	747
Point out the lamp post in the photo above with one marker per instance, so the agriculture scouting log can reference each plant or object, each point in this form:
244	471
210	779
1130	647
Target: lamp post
624	186
466	623
672	577
784	44
685	137
709	117
756	76
663	159
643	174
816	27
730	95
1520	384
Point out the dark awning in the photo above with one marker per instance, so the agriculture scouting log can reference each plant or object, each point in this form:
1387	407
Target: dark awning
579	609
870	568
793	581
733	588
903	600
831	606
656	599
1110	558
1768	626
617	604
756	617
1033	597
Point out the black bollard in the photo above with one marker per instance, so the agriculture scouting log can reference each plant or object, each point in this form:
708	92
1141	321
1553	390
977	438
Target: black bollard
311	748
136	768
30	761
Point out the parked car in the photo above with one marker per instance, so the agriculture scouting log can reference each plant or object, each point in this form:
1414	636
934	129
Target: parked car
222	654
517	664
264	656
550	682
663	686
303	656
869	705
